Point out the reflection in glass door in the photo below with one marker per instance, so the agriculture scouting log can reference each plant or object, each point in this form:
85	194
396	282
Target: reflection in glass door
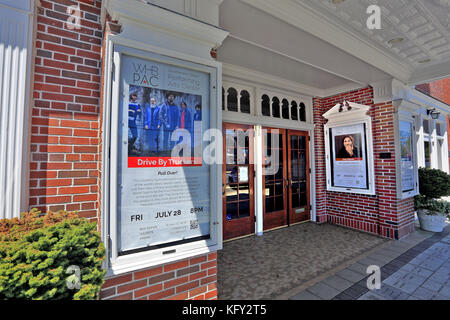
298	176
238	181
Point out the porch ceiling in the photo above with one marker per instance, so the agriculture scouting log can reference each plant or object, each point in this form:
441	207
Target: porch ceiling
424	26
328	46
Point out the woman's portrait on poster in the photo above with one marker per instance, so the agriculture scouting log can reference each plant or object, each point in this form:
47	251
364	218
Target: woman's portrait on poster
348	149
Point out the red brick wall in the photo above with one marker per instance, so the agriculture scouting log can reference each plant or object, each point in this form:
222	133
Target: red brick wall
440	89
65	151
320	164
381	214
191	279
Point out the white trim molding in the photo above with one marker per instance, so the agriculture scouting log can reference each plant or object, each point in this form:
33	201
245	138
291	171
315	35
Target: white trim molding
165	28
264	79
16	71
401	91
382	91
405	111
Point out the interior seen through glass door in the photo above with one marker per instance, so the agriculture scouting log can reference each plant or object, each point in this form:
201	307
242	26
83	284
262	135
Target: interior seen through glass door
274	173
237	189
298	171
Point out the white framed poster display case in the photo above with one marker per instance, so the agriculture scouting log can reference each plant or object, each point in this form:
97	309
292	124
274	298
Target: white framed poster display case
349	149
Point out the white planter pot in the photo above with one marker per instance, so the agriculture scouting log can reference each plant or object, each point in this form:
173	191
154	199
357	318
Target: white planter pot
434	223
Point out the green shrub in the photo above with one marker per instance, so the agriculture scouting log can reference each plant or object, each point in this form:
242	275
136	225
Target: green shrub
36	252
434	183
434	206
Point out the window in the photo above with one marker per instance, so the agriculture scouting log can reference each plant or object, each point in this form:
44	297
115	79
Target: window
232	100
302	112
242	99
294	111
236	98
245	101
285	109
275	107
265	105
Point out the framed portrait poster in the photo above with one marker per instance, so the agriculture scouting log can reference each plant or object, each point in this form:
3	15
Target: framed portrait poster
349	149
349	160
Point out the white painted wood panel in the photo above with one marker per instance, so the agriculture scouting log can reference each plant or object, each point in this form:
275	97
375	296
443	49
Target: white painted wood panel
15	72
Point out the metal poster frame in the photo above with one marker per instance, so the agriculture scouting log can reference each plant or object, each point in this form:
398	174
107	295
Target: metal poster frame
176	250
350	115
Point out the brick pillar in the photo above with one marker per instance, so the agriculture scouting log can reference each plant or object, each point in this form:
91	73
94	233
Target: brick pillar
320	165
381	214
396	217
65	151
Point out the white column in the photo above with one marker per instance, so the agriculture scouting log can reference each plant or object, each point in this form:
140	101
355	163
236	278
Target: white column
434	145
445	164
259	197
420	142
16	43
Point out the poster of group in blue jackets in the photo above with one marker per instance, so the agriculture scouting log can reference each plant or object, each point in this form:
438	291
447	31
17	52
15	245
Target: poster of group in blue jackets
163	182
163	126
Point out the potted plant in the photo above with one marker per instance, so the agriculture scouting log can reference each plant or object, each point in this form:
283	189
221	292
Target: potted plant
431	210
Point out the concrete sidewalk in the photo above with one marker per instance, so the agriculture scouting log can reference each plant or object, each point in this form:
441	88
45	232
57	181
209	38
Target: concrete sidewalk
417	268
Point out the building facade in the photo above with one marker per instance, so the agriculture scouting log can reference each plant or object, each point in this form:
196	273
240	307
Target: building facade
277	83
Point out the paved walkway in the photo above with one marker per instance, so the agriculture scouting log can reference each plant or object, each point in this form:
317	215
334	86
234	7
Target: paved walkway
414	268
281	261
261	268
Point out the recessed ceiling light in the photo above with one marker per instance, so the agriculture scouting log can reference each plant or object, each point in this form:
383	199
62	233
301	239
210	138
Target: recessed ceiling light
395	41
425	61
337	1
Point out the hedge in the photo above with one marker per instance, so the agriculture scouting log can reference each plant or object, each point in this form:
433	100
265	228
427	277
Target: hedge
434	183
37	250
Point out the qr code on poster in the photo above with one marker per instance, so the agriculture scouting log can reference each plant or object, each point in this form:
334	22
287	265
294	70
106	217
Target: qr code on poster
194	224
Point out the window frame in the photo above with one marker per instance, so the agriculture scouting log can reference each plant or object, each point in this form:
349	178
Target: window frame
407	112
357	115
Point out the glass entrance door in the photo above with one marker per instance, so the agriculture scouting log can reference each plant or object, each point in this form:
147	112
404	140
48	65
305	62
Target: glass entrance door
274	178
298	176
238	181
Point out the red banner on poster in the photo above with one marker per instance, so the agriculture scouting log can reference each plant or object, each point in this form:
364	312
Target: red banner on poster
349	159
164	162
